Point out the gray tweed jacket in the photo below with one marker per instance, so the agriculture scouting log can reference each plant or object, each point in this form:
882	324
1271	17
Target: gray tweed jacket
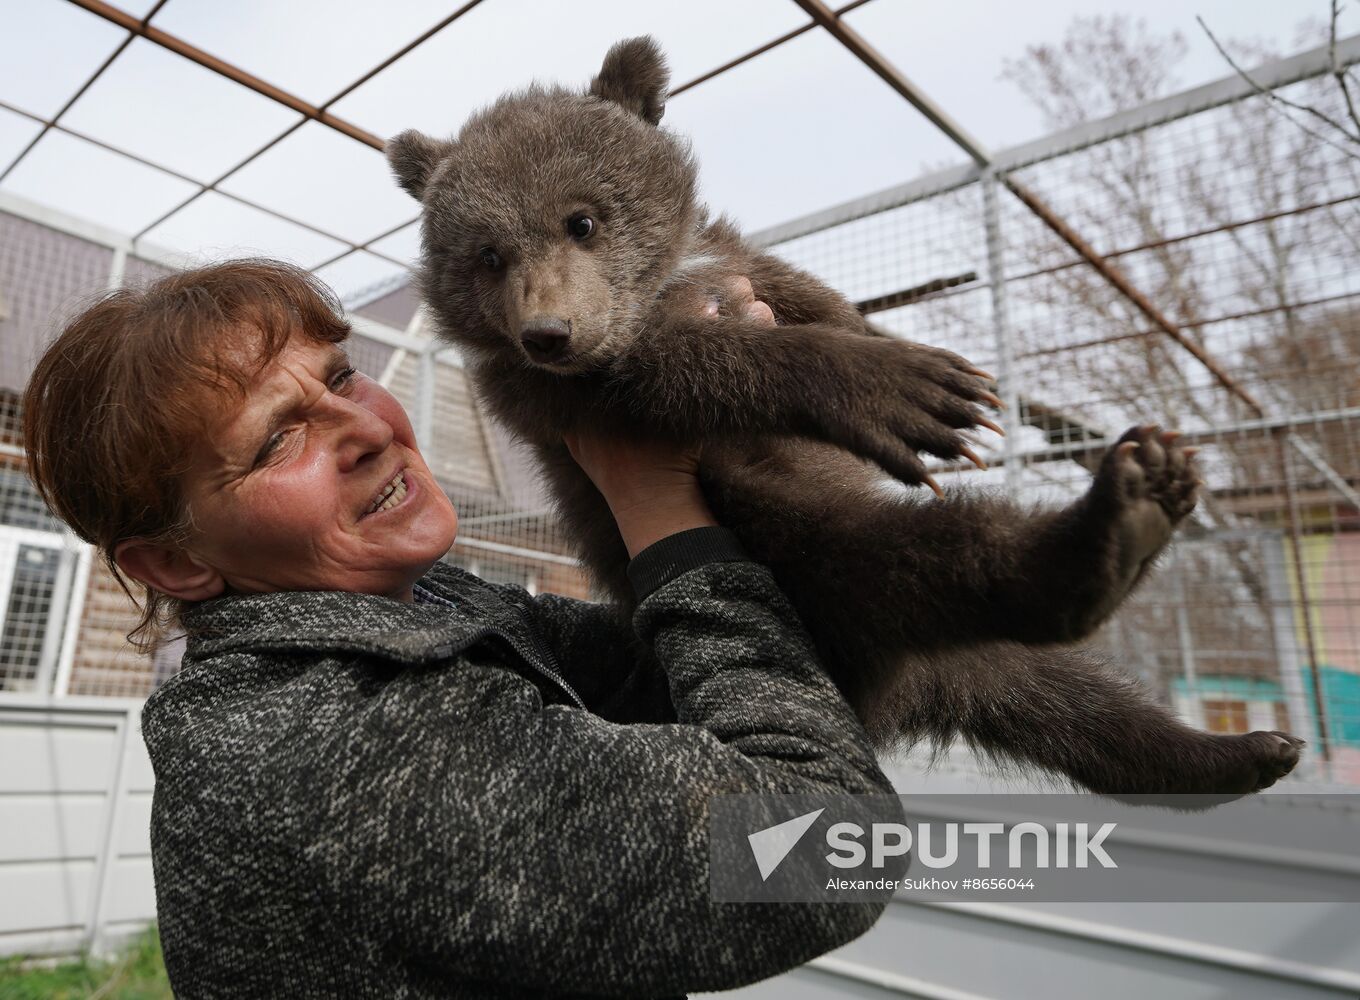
358	797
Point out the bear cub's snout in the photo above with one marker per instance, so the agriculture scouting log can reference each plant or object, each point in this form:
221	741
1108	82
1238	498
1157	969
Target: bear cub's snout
545	338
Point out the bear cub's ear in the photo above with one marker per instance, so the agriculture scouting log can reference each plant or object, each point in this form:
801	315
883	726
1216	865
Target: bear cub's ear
635	76
413	158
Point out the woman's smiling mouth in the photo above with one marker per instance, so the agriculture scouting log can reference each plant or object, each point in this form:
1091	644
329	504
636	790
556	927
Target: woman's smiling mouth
392	494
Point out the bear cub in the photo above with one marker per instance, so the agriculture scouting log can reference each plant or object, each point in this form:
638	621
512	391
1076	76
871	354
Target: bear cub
564	250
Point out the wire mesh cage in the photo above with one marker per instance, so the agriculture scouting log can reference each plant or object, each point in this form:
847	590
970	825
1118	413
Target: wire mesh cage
1187	264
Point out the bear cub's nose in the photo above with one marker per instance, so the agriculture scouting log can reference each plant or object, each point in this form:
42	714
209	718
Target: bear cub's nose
545	339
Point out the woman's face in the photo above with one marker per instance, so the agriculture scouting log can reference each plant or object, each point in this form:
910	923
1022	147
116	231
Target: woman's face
315	483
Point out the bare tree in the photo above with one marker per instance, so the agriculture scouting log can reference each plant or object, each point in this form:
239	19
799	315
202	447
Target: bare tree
1228	221
1333	126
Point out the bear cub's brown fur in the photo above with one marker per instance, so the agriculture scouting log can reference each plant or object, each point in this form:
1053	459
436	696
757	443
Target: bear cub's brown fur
565	252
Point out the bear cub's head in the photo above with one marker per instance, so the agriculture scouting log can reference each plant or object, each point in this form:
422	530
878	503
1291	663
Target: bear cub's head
553	219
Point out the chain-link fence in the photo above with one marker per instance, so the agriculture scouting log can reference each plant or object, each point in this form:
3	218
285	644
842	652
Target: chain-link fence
1183	263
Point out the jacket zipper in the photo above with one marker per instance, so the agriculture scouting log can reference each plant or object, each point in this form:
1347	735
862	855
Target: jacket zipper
540	658
549	662
537	663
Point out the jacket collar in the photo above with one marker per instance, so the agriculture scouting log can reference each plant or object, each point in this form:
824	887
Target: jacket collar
338	621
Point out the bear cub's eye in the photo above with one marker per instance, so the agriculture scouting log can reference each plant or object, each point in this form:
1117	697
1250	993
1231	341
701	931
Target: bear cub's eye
579	227
490	259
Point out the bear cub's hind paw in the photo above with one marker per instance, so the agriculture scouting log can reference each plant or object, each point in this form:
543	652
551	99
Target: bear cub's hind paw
1150	483
1148	464
1258	760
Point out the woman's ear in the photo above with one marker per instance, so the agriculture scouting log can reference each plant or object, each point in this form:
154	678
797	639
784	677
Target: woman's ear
168	569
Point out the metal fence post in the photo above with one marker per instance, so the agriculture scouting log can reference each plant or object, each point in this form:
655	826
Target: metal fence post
95	941
1189	672
75	608
68	559
1001	328
425	378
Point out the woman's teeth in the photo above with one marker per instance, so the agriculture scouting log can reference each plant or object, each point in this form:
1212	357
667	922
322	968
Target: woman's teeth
392	494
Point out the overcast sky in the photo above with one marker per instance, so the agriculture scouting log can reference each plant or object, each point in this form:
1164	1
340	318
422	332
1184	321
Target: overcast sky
792	131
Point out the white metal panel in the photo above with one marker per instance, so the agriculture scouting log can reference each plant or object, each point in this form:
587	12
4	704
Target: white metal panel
140	777
131	892
54	759
9	549
45	827
133	837
50	941
1174	951
1005	960
45	894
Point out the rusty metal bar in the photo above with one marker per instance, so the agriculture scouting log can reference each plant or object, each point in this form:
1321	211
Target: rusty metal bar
1126	288
214	185
788	36
47	125
221	67
1262	427
862	50
320	113
890	75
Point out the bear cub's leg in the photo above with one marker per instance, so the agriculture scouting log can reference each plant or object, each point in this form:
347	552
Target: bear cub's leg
1064	711
1094	553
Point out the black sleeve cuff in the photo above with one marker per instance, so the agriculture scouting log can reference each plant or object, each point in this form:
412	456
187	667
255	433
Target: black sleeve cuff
661	562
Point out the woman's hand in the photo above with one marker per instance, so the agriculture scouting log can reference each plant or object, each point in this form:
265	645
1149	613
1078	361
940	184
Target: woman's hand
651	486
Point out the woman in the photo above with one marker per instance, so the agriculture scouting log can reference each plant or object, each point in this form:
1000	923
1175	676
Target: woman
377	775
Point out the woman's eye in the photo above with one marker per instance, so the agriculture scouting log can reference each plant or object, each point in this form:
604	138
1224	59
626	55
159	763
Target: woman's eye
579	227
490	259
270	446
342	379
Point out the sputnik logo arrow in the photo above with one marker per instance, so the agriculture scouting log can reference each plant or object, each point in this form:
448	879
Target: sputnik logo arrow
772	844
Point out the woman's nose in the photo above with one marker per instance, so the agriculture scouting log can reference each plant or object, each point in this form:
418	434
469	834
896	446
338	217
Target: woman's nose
360	434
